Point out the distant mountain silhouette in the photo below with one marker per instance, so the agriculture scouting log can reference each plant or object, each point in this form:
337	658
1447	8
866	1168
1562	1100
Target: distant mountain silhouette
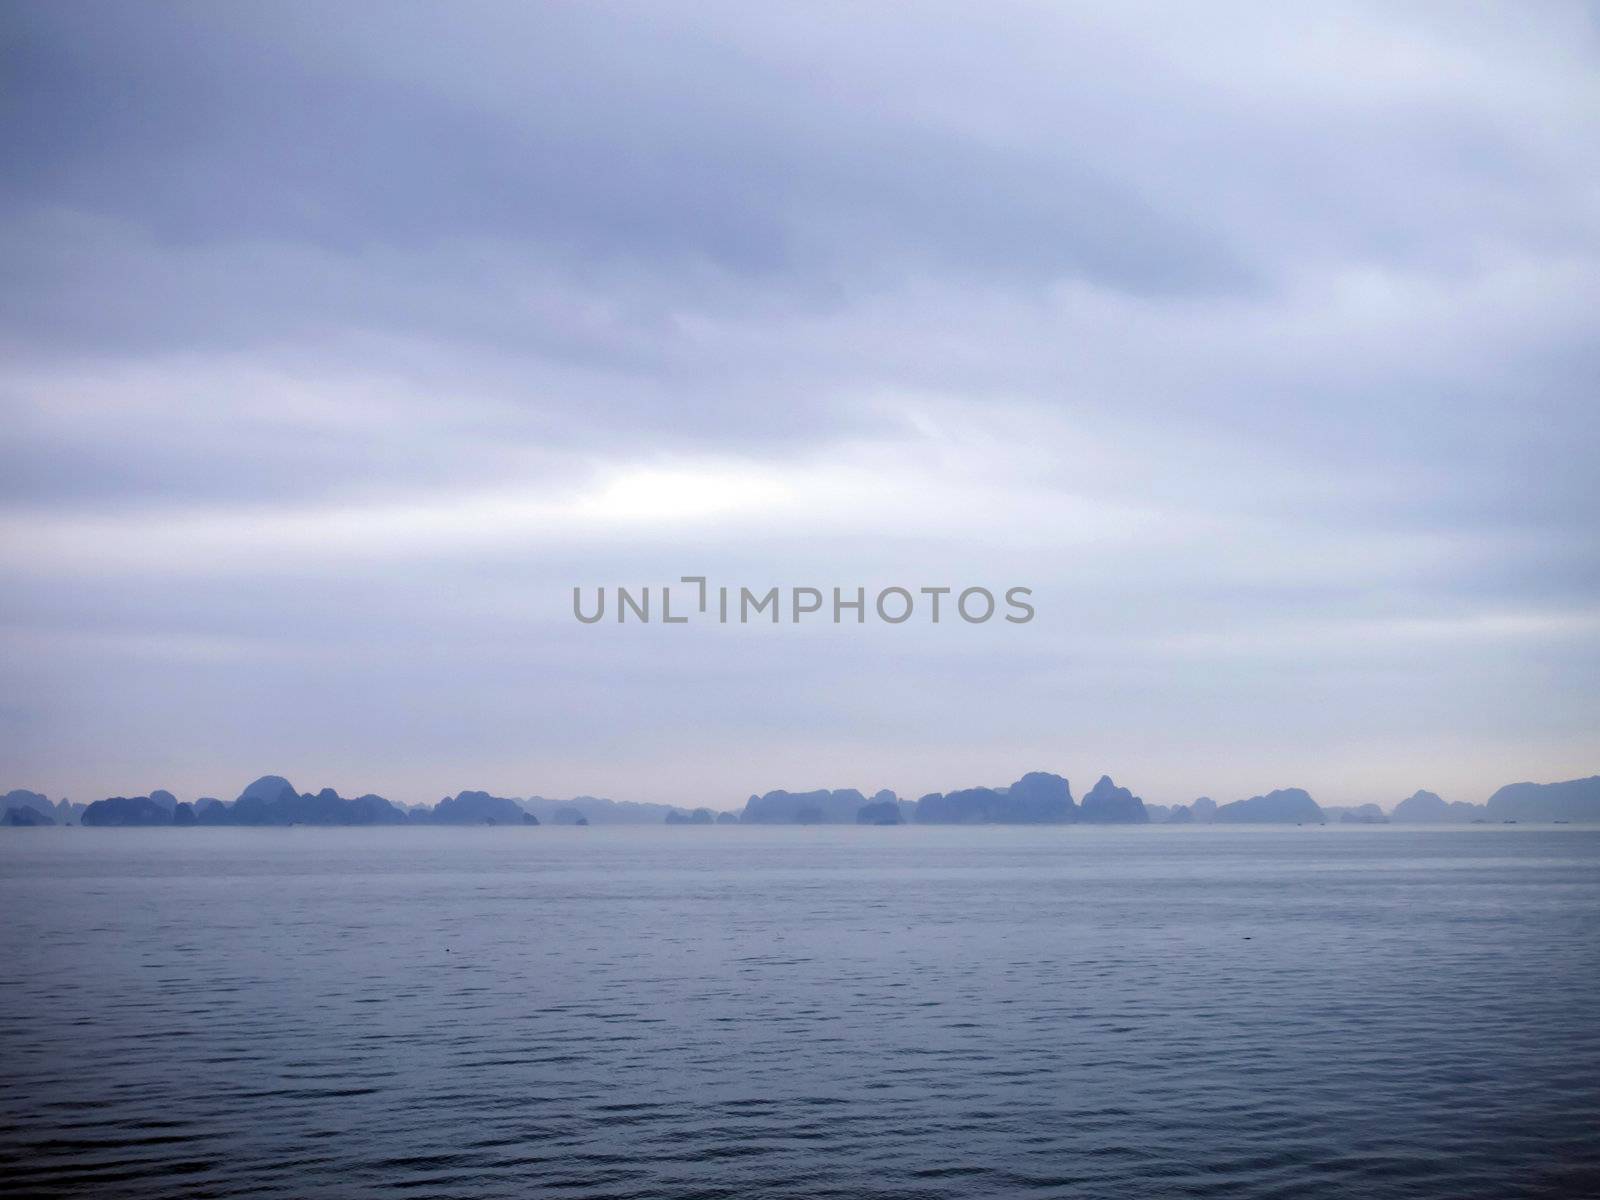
1574	800
597	810
1285	805
22	807
126	810
1427	807
1358	814
25	814
272	800
1107	802
879	812
326	807
1038	798
885	808
804	808
477	808
268	787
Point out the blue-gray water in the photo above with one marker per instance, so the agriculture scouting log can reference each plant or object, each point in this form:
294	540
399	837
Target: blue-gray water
746	1012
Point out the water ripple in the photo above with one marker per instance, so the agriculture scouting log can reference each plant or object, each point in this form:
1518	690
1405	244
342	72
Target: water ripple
915	1014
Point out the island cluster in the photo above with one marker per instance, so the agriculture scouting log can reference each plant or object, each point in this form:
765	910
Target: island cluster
1038	798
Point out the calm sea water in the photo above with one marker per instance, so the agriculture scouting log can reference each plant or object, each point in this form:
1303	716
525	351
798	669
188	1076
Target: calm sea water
746	1012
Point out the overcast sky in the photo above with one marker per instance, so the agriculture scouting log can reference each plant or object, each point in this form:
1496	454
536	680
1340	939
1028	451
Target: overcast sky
341	342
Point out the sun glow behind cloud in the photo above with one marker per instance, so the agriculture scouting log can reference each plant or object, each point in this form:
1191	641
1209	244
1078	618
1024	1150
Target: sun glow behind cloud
699	493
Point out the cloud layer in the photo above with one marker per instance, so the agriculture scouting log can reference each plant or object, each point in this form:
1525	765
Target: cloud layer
340	344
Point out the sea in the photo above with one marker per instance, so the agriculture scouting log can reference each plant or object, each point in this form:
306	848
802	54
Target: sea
877	1013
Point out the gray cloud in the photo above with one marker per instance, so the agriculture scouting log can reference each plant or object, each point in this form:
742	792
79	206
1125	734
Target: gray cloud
341	342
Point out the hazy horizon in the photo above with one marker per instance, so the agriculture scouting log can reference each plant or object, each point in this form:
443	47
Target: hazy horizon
721	805
341	344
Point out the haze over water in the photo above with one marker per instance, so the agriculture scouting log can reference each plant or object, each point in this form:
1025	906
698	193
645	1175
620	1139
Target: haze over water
905	1012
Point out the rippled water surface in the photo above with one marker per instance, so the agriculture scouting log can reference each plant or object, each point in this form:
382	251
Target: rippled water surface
746	1012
